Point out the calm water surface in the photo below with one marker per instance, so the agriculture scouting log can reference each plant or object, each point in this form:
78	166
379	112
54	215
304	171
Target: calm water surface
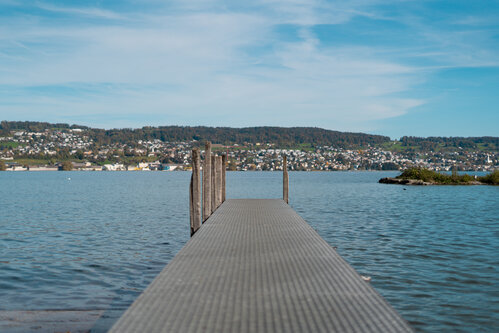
91	240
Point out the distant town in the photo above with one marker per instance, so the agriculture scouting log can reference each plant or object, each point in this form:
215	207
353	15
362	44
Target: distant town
76	149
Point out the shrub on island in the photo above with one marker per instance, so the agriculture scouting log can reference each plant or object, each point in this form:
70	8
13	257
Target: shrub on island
491	179
420	176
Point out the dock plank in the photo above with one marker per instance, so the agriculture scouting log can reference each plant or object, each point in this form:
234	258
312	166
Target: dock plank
256	266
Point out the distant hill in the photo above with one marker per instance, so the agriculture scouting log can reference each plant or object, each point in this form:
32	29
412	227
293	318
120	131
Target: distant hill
280	136
33	126
485	143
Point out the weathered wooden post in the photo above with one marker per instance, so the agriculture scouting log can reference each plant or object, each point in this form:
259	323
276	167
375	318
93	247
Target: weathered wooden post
285	179
207	181
195	193
213	183
218	196
224	167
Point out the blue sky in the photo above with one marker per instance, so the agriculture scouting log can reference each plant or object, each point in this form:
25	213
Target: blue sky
391	67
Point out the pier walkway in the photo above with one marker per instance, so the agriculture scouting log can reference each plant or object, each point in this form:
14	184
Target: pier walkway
256	266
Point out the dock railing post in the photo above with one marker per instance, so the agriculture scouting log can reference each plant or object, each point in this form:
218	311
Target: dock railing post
213	183
219	181
195	193
285	179
224	167
207	182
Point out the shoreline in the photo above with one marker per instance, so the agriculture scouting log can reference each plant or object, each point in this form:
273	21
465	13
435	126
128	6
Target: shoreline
418	182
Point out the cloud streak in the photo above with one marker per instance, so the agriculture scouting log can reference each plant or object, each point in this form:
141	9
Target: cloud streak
92	12
208	63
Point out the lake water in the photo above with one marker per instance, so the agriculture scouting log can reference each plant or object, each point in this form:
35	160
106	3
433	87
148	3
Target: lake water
94	240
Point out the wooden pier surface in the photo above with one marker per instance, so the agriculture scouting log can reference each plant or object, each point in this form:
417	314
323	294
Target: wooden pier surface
256	266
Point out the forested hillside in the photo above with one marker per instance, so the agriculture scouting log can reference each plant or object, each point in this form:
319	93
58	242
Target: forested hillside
283	137
280	136
488	143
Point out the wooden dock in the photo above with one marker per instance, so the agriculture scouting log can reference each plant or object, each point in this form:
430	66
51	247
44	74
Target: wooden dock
257	266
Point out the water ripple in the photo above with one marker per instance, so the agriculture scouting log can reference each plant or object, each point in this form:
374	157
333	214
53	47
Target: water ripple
96	242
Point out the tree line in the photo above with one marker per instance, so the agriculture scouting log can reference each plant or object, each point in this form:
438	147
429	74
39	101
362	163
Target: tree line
282	137
435	143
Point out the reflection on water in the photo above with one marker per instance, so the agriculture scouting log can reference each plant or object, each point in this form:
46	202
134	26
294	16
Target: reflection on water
94	241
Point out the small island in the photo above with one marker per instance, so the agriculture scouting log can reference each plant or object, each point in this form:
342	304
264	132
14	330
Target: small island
419	176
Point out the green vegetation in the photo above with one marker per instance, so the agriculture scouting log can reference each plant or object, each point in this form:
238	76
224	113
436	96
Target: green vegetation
390	166
442	144
304	147
3	167
434	177
33	161
9	145
127	160
304	138
33	126
491	179
67	166
396	146
279	136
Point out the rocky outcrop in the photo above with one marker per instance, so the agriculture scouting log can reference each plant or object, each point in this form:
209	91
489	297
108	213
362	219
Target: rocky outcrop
402	181
390	180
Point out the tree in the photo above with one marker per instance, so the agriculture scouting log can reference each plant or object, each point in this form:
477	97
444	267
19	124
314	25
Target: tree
3	167
79	154
166	160
390	166
67	166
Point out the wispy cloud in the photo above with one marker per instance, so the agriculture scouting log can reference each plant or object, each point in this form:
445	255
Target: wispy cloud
85	11
217	63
